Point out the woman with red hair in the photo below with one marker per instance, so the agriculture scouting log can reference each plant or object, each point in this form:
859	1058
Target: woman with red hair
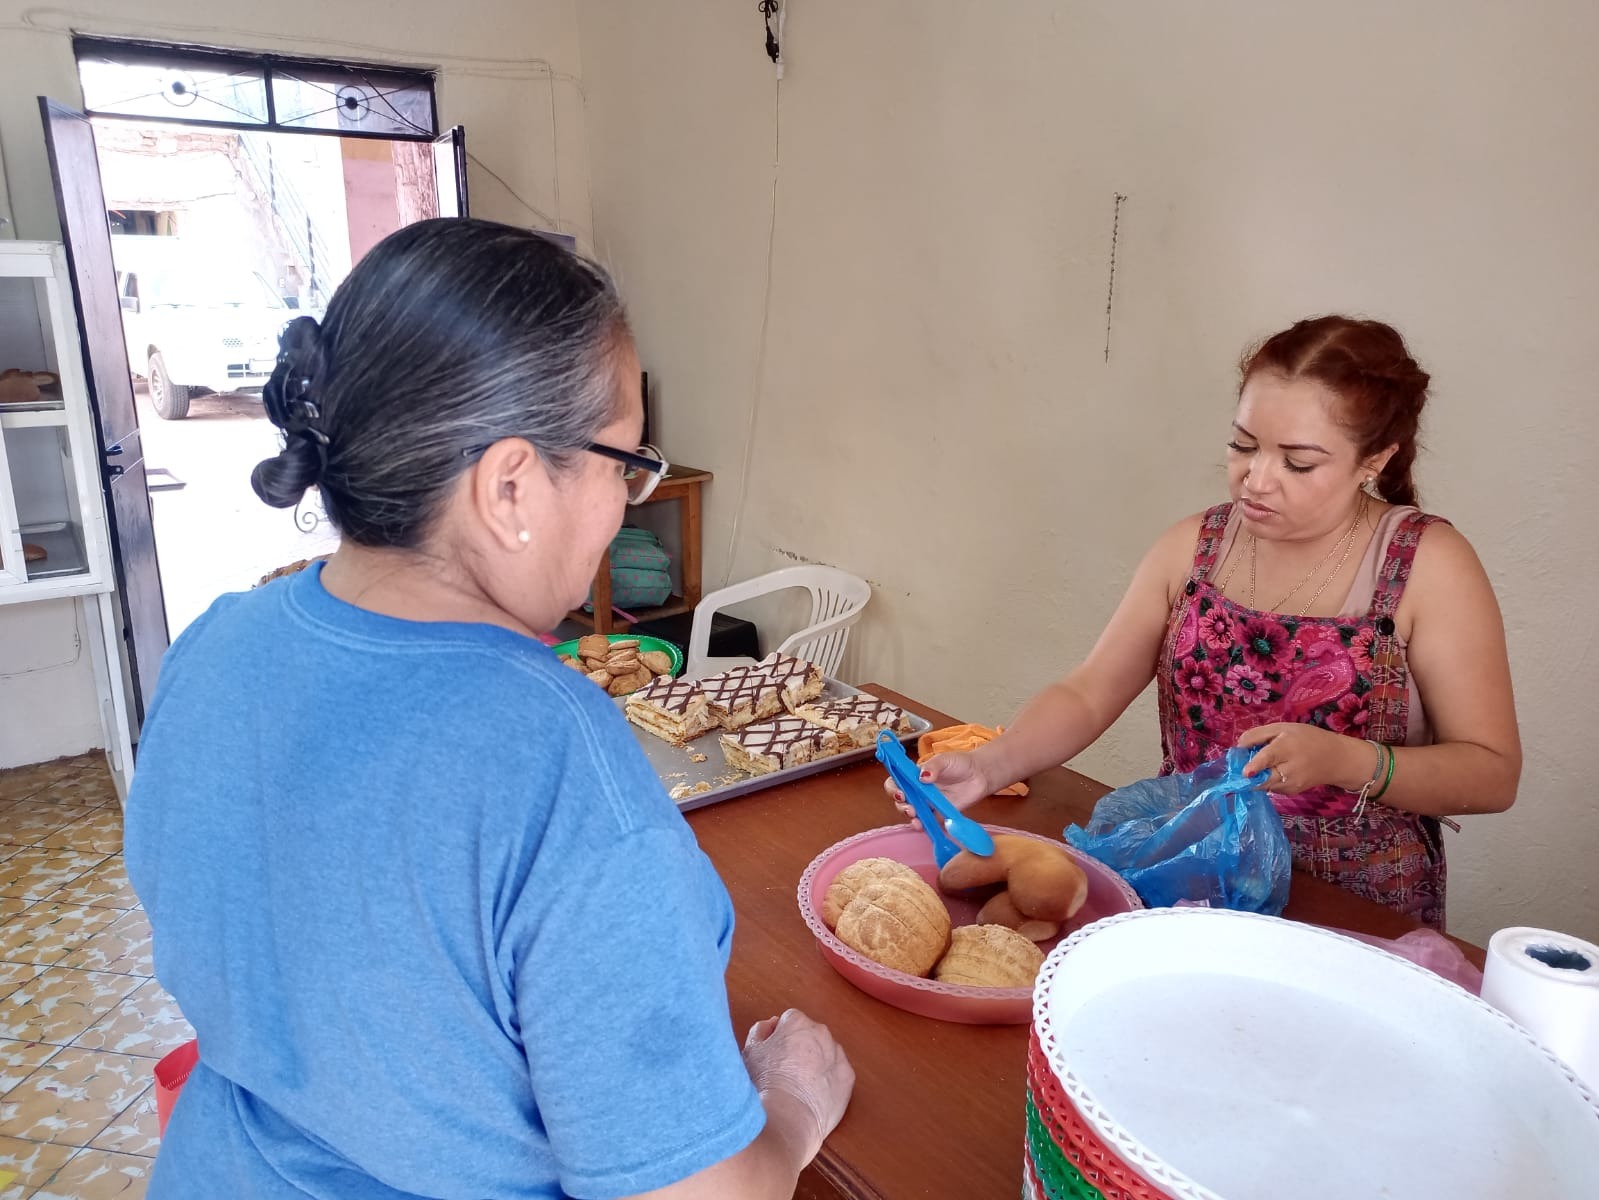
1320	616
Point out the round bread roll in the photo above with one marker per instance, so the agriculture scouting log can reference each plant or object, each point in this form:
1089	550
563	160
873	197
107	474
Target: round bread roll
989	956
18	389
852	879
1044	880
1002	910
898	922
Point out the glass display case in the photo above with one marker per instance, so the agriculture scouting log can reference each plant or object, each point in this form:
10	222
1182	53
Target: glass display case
52	525
54	534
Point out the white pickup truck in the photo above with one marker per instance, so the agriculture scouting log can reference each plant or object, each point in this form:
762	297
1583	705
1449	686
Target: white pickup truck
193	325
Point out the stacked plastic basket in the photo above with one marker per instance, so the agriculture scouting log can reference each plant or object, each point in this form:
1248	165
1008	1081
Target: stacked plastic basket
1065	1159
1156	1035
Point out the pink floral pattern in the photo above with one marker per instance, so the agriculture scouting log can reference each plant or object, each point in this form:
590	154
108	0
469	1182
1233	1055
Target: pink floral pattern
1361	647
1225	669
1265	642
1239	668
1216	628
1349	717
1247	685
1198	681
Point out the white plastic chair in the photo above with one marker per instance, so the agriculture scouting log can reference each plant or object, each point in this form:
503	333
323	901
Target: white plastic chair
837	598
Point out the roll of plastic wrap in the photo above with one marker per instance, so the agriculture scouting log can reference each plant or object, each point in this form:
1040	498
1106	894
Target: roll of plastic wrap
1548	983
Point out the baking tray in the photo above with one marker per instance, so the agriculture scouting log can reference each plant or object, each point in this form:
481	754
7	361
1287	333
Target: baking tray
675	765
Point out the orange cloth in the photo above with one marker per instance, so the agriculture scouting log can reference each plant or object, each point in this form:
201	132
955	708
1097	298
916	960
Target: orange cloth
958	738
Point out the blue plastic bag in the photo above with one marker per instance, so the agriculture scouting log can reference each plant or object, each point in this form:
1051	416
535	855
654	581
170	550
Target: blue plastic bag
1211	836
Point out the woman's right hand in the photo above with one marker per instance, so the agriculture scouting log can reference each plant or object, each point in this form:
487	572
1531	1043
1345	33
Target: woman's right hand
959	775
795	1057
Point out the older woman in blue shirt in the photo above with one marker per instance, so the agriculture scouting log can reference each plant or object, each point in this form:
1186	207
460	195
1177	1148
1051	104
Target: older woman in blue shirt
438	928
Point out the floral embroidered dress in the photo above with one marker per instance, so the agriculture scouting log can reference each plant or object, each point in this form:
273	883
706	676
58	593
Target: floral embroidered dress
1225	668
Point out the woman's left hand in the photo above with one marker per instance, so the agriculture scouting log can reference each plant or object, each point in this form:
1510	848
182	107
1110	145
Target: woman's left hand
1298	758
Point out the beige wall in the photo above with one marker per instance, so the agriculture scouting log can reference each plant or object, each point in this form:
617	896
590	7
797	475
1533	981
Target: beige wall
936	411
507	72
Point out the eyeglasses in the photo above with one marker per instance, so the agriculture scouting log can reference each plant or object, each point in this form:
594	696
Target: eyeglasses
643	468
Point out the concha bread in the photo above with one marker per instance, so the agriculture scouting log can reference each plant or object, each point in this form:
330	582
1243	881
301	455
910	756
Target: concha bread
852	879
989	956
898	922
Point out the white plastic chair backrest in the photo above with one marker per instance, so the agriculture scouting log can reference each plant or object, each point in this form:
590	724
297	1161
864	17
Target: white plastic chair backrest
837	598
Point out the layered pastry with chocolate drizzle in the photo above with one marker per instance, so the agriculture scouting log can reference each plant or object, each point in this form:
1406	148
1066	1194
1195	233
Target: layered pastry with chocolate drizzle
856	719
782	742
798	682
741	696
675	710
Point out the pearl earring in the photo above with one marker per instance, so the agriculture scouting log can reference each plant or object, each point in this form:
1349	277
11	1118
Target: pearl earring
523	536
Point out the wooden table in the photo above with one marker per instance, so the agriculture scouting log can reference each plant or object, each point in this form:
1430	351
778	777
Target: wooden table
938	1109
682	484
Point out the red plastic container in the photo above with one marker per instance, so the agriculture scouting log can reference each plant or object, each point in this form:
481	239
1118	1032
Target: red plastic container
171	1073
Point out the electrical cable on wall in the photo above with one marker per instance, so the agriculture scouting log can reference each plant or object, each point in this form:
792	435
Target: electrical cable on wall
514	194
1110	289
555	157
774	51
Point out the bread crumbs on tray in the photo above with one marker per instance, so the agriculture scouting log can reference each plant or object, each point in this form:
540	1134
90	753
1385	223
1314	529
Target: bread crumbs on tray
697	758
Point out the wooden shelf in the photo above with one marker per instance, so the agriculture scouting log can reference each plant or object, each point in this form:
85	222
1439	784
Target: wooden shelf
675	606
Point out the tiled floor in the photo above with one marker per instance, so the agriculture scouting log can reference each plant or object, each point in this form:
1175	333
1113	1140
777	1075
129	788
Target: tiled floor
82	1022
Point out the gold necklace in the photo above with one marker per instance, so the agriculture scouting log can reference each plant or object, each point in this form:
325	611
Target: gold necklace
1348	544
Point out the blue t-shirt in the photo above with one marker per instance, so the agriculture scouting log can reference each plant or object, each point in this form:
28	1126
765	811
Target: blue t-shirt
435	922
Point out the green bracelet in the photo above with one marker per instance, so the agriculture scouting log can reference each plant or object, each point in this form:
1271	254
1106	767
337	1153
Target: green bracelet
1389	777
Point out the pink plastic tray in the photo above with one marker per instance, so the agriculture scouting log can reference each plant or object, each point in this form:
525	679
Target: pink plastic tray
1107	894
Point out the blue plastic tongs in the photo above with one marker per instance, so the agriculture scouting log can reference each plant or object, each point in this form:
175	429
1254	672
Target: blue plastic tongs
949	829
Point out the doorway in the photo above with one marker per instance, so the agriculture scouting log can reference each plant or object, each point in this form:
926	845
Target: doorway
219	238
206	199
